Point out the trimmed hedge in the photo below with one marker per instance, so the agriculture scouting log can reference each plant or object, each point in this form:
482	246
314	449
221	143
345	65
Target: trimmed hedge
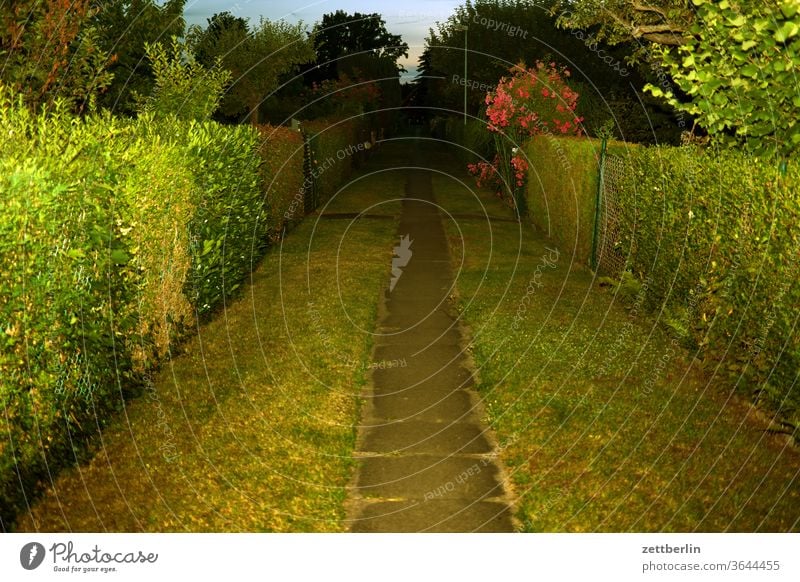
334	145
281	151
561	191
713	237
115	235
716	235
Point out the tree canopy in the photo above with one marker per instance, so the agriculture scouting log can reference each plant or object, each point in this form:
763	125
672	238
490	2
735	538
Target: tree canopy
658	21
257	57
49	50
125	28
730	63
340	34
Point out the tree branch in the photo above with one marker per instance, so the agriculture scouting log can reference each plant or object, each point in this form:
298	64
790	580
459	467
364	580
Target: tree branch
647	8
670	39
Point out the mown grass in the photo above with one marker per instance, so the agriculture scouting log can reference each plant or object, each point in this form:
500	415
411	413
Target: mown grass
251	428
604	423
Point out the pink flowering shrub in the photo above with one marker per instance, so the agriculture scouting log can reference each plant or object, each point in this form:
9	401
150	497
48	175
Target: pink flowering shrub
532	101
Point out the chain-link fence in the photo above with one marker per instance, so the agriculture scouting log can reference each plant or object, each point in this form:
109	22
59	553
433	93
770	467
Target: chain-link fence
608	257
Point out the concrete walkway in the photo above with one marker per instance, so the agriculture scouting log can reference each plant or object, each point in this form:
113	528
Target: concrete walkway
426	461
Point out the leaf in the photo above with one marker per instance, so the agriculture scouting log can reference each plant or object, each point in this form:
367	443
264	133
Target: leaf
748	44
789	9
749	70
119	257
738	21
785	32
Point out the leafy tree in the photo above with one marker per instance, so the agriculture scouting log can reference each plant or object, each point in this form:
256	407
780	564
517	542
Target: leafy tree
340	35
738	65
257	57
183	87
224	32
125	27
49	50
731	63
655	21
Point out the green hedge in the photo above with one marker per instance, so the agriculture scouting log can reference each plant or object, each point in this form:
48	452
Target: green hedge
281	151
114	236
334	147
712	236
561	191
716	235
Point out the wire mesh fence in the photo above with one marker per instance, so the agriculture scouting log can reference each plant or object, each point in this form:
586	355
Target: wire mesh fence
609	258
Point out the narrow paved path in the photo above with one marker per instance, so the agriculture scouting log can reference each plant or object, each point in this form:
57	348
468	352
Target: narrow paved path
426	460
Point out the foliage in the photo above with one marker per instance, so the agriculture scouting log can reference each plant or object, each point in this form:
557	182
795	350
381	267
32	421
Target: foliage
114	236
281	169
656	21
334	143
340	36
532	101
257	58
125	27
64	283
49	51
738	67
593	404
712	232
499	34
346	96
716	234
183	87
561	191
153	447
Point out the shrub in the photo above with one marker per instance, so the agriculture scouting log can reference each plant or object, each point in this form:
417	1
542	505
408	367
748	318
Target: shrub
183	87
561	191
715	236
63	282
334	143
477	144
715	233
281	152
531	102
114	235
229	228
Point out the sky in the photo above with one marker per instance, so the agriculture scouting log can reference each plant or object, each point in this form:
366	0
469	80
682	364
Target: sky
409	18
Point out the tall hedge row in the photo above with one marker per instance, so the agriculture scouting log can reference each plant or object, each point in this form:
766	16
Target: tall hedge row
282	154
716	235
712	236
561	191
334	149
115	235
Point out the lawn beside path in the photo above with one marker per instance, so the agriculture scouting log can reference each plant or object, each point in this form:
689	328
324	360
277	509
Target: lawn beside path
604	423
252	426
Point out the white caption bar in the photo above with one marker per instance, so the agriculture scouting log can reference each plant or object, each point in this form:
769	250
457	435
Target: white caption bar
399	557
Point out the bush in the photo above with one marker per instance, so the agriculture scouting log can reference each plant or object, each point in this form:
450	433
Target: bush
114	236
281	152
334	144
561	191
534	101
715	234
477	144
228	231
63	282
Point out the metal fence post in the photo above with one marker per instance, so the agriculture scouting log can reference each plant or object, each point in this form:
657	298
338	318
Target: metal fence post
597	202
